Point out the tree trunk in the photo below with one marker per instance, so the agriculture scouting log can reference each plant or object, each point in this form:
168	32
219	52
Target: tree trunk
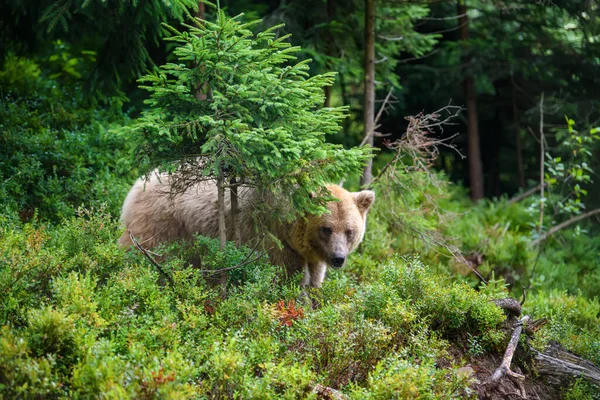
200	88
369	111
517	127
235	213
201	10
473	149
221	206
329	49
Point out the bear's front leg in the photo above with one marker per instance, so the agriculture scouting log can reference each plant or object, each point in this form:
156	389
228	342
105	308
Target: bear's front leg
314	274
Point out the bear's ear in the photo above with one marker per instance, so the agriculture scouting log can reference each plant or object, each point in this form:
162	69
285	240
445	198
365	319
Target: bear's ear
364	200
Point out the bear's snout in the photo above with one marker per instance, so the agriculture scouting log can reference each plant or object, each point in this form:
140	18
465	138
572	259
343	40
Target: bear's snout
338	260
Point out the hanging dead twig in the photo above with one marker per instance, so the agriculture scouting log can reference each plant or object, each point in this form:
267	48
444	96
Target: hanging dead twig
150	258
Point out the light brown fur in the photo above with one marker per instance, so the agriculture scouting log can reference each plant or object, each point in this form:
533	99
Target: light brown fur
309	244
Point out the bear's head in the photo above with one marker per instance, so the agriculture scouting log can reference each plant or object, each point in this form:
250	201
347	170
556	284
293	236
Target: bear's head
335	234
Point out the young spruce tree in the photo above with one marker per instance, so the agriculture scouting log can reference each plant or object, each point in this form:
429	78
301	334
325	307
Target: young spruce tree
236	108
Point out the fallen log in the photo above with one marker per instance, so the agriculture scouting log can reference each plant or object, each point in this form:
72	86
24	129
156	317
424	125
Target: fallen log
557	364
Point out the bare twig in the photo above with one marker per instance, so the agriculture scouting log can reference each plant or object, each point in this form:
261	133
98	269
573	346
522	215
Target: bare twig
443	18
377	117
242	264
150	258
526	194
419	57
564	225
504	368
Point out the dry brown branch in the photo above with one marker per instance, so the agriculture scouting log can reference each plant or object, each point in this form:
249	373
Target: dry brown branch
150	258
564	225
504	368
526	194
420	145
418	141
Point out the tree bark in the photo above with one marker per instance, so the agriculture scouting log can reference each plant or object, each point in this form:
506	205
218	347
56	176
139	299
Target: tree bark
221	206
369	110
200	87
329	49
557	363
542	152
201	10
473	147
235	213
517	127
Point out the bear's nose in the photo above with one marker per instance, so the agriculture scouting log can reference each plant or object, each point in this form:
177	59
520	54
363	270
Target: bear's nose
337	261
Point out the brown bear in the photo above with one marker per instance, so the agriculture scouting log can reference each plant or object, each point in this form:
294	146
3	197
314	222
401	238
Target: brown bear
308	244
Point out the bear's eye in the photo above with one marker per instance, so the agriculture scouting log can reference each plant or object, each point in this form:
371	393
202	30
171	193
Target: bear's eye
325	230
349	232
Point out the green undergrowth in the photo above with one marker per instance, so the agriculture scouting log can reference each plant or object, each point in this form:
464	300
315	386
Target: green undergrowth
82	318
428	215
57	150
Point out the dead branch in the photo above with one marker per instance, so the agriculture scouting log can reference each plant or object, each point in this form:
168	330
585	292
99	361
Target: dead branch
150	258
406	60
509	305
504	368
418	141
242	264
564	225
526	194
160	269
557	362
377	117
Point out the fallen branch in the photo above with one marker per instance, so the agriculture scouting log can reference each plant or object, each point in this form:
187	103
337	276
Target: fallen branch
564	225
556	362
504	368
509	305
526	194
